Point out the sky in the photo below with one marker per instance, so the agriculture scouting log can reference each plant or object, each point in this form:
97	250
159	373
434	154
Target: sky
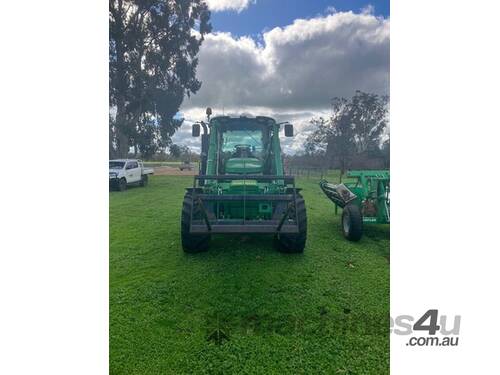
287	59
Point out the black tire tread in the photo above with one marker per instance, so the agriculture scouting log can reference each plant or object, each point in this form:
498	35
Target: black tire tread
191	243
291	242
122	184
356	222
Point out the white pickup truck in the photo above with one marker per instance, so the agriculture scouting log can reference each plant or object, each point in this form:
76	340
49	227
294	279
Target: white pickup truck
123	172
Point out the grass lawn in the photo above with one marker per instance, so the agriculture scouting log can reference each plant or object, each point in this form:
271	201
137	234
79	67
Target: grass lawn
324	311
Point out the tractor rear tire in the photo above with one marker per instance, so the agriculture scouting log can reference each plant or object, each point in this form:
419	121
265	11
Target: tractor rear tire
191	243
295	242
144	180
352	222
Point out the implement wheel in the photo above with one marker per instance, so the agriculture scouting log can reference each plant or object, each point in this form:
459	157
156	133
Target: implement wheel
295	242
352	222
191	243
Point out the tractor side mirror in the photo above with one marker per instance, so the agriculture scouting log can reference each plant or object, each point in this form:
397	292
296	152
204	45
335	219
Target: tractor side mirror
288	130
196	130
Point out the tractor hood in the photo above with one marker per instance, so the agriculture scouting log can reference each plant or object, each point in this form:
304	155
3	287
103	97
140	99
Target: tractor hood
243	166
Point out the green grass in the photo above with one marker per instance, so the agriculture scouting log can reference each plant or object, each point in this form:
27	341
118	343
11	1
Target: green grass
324	311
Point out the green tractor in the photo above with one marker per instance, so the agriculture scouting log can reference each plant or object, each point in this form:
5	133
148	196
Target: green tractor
241	187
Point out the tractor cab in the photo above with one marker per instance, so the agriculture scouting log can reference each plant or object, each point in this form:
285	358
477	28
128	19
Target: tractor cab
242	145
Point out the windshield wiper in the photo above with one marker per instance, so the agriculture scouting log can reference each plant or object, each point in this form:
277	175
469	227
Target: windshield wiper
250	135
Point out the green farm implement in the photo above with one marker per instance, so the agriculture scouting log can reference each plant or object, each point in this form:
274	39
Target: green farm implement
365	201
241	187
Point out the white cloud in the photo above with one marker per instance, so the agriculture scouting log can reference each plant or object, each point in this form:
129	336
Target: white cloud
331	9
233	5
303	65
369	9
295	71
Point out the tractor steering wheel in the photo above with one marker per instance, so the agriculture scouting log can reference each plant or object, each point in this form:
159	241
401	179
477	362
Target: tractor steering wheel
243	150
241	146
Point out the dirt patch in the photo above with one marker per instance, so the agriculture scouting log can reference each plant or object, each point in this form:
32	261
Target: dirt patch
171	171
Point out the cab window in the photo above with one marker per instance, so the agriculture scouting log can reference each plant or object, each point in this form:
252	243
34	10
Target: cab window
131	165
116	164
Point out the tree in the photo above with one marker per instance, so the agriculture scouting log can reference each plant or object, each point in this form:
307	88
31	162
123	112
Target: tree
153	46
175	151
354	127
185	152
317	142
369	116
148	138
334	136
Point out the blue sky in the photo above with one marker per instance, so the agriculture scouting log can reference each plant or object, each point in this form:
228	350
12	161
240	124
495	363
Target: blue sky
267	14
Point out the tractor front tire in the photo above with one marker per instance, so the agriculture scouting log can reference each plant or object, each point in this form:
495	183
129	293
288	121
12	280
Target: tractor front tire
191	243
144	180
352	222
122	184
295	242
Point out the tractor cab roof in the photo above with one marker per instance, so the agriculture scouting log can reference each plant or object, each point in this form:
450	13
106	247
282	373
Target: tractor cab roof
226	120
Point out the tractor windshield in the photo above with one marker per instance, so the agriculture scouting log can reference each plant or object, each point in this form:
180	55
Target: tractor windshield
243	143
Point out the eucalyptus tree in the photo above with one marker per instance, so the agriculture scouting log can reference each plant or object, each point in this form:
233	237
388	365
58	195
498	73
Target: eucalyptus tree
153	47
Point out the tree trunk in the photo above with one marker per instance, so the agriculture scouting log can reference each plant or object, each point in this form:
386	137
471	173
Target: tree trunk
112	151
121	125
122	138
330	155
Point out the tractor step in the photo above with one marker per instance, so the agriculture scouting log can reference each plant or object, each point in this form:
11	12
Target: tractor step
245	197
246	228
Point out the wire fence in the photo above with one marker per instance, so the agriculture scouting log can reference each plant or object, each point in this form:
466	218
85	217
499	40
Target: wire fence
317	173
307	171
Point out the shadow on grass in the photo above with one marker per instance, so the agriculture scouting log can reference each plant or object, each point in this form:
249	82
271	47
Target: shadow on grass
377	232
129	187
380	235
250	243
376	237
